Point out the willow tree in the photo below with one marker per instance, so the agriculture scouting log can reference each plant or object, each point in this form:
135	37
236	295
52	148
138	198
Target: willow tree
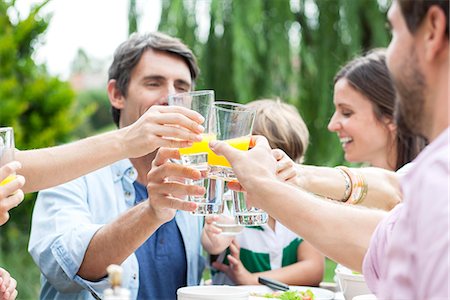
267	48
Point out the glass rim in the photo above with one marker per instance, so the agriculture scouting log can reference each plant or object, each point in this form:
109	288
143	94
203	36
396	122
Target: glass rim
6	128
247	109
192	93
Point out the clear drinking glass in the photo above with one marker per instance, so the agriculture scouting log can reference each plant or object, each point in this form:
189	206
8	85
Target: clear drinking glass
234	123
245	213
211	202
196	156
227	218
7	149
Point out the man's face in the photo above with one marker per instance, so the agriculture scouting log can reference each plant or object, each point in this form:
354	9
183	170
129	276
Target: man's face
157	75
404	65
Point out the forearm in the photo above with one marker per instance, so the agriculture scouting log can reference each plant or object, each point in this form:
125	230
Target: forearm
383	186
341	232
301	273
115	242
48	167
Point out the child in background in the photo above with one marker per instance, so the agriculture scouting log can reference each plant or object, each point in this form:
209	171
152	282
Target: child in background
269	250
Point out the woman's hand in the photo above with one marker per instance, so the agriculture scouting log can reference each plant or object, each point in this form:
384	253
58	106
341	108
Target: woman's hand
11	194
7	286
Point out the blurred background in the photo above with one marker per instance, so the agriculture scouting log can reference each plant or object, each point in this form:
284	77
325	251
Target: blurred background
54	57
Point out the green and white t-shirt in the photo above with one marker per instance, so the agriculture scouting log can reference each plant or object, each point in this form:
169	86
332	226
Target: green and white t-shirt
262	249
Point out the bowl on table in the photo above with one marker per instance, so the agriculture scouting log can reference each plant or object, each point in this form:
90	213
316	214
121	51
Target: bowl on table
352	284
212	292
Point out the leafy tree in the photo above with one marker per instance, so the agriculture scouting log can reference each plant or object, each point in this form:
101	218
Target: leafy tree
133	17
285	48
40	107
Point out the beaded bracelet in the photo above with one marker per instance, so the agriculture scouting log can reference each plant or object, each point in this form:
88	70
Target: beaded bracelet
348	184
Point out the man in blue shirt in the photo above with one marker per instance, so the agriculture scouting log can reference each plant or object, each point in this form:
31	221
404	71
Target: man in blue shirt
106	217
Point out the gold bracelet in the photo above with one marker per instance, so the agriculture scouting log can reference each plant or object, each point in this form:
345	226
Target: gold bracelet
360	189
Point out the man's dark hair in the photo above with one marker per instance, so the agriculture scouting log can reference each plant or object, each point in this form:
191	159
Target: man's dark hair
415	10
128	54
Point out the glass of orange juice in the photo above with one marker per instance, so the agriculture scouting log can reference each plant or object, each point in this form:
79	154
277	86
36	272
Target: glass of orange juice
234	124
6	150
196	156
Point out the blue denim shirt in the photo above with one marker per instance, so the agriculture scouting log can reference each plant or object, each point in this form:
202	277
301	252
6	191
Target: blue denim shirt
65	219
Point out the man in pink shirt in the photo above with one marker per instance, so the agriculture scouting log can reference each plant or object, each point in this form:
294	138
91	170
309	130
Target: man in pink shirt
405	252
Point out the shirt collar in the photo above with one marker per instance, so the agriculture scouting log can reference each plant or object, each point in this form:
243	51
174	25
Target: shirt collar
123	168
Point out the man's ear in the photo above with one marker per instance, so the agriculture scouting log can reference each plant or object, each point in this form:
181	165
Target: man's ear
116	98
435	37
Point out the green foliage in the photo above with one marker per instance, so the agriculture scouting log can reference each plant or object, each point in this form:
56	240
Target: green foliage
41	109
133	17
251	52
96	103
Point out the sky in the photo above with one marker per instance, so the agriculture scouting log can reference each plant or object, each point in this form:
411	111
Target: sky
97	26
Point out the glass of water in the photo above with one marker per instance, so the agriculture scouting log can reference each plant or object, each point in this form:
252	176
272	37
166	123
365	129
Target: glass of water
245	213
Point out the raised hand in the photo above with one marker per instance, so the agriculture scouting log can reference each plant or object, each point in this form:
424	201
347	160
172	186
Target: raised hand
10	189
7	286
163	126
166	192
251	167
287	169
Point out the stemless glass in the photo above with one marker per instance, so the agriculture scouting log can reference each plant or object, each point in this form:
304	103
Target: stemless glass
6	150
227	220
234	123
246	214
196	156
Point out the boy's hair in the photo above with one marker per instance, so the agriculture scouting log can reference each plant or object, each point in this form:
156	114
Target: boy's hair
282	125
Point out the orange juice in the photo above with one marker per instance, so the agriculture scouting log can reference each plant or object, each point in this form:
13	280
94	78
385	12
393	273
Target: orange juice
199	147
240	143
8	179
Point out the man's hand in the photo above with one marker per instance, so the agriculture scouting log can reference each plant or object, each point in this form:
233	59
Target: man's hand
166	194
162	126
10	192
251	167
7	286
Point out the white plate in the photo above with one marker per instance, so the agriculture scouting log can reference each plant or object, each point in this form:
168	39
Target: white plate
320	294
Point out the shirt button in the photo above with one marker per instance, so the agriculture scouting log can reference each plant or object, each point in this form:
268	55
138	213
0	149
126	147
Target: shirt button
134	276
128	194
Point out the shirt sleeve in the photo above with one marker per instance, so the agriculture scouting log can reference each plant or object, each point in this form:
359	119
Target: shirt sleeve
377	248
61	232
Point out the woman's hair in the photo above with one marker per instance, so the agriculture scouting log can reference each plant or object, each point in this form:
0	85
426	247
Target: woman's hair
370	76
282	125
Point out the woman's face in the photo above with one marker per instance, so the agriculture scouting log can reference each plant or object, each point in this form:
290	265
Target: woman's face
363	137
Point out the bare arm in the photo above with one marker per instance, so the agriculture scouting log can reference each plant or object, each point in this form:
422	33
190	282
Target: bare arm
384	188
307	271
341	232
47	167
114	242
